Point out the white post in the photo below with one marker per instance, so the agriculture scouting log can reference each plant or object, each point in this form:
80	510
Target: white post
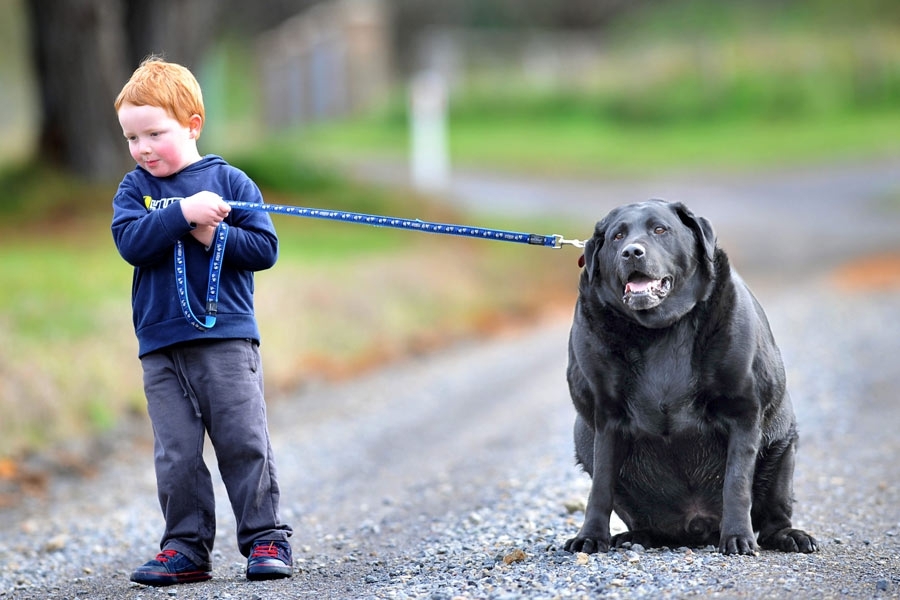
430	163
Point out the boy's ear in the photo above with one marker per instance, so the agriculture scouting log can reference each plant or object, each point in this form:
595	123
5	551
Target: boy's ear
195	124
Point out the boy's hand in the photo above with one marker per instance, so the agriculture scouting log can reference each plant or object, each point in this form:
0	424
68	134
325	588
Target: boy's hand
205	234
204	209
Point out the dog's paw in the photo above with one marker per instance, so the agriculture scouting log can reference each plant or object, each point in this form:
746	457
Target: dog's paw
738	544
588	545
790	540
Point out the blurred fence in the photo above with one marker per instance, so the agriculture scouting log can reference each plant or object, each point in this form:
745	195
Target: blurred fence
330	61
543	58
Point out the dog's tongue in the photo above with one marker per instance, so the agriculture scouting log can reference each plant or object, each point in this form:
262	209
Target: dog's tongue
639	286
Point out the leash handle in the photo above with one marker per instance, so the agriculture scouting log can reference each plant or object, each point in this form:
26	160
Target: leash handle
212	287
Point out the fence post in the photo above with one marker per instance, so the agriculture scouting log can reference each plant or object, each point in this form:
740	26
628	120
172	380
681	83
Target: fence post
430	162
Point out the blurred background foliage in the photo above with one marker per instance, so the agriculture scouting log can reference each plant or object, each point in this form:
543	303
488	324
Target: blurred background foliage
601	88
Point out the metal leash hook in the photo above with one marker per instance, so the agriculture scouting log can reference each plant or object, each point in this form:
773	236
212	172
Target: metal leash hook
560	242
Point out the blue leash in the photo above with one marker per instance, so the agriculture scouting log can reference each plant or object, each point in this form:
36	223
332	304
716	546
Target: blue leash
549	241
215	262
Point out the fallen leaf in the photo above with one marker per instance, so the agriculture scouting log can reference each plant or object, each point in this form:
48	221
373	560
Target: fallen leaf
514	556
8	468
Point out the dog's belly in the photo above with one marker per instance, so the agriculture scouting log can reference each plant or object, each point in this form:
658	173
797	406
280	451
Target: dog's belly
673	487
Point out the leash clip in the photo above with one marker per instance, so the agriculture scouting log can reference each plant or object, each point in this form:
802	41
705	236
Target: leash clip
559	242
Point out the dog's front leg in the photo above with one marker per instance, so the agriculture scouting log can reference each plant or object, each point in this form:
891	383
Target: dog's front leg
607	456
737	531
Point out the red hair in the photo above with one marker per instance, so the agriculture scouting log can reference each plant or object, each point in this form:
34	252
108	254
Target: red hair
166	85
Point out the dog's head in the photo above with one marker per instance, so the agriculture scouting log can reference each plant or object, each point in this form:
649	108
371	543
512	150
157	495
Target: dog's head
653	261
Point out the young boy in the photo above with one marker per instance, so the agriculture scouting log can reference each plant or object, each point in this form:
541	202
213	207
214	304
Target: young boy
191	253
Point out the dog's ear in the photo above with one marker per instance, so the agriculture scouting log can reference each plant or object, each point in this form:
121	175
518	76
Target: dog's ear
592	249
702	228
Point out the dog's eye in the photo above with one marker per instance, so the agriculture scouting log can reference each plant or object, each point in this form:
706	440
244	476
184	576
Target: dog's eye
619	236
659	230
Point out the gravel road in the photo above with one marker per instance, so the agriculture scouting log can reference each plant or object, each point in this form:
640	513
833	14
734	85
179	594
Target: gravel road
452	476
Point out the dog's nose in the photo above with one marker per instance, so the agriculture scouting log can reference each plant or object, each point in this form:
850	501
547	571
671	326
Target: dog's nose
633	251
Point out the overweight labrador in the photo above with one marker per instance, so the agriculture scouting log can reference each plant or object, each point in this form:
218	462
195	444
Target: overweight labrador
684	423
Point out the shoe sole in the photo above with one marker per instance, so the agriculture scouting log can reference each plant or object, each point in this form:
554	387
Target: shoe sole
269	573
164	579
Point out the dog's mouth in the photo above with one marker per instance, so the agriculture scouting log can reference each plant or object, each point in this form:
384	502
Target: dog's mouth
643	291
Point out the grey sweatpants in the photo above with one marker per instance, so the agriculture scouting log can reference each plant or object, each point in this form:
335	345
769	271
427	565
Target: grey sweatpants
213	388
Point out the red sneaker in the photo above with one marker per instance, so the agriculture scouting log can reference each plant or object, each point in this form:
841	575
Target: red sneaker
168	568
270	560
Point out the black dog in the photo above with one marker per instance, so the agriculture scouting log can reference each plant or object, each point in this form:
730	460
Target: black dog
684	422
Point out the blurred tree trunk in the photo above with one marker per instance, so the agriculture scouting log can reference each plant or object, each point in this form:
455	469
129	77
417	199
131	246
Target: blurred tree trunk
178	30
84	51
77	48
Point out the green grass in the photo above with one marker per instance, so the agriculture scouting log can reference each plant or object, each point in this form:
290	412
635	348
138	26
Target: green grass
578	146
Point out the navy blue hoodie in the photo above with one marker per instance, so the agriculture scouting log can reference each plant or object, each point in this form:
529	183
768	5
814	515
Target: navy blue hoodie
147	222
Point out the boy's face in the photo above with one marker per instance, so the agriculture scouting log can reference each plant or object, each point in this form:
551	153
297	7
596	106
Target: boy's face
157	141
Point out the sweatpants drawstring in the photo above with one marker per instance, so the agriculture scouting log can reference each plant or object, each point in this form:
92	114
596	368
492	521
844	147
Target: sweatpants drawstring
180	371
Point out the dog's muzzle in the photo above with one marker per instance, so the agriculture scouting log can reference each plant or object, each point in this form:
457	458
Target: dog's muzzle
643	291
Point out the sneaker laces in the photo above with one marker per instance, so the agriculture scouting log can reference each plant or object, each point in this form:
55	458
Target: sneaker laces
165	555
269	551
